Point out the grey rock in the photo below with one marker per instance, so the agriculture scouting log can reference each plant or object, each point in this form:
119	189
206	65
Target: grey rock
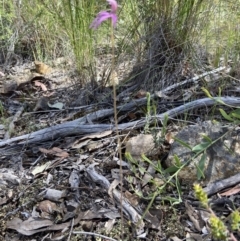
142	144
222	158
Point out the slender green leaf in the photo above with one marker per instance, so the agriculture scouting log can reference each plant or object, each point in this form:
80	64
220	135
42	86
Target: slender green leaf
236	111
219	91
200	147
177	161
235	115
142	170
218	99
171	169
225	115
206	92
201	166
183	143
173	201
178	185
206	138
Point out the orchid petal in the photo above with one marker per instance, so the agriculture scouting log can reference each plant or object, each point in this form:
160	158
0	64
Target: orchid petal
102	16
114	5
114	19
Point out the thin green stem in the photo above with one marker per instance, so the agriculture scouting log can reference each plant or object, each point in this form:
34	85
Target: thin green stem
116	122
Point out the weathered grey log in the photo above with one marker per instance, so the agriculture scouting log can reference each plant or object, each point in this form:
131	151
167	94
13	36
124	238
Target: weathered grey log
218	186
194	80
77	128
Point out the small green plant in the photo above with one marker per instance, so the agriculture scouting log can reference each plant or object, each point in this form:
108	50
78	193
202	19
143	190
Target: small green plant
233	116
171	180
149	113
1	109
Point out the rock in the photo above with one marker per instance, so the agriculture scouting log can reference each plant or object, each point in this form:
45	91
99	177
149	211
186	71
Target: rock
142	144
222	158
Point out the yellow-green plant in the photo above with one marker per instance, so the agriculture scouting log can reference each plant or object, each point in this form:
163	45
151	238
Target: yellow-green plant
218	228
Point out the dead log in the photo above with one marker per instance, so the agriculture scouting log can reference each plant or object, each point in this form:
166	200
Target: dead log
79	126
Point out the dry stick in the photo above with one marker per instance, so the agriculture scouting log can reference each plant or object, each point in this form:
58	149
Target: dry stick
12	124
194	79
71	230
74	128
217	186
94	234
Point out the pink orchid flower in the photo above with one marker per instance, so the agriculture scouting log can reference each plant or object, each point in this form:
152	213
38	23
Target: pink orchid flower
104	15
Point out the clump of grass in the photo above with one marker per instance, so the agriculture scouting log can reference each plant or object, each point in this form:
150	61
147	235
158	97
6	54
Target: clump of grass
221	36
75	17
30	32
6	24
171	28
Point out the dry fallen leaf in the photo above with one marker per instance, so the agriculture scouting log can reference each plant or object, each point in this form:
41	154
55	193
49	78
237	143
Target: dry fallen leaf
194	216
2	74
141	94
29	226
169	138
55	151
47	206
97	135
42	68
58	105
132	198
231	191
39	169
43	86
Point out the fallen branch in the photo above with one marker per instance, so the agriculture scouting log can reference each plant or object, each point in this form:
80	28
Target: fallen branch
218	186
194	79
77	127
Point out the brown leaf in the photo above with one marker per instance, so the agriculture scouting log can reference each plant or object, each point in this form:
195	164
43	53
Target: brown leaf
169	138
97	135
43	86
47	206
132	198
231	191
141	94
194	216
132	116
55	151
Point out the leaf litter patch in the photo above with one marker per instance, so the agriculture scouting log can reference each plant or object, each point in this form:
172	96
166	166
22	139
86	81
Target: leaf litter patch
71	183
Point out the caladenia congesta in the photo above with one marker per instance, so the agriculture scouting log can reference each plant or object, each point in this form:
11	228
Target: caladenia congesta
104	15
101	17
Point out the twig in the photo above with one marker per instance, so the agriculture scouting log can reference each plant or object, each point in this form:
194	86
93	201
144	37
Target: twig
12	124
194	79
71	230
93	234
